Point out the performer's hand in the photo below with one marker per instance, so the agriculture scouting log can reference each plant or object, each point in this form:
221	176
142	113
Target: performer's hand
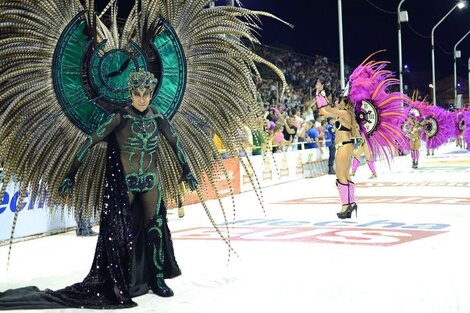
65	188
191	181
321	100
357	141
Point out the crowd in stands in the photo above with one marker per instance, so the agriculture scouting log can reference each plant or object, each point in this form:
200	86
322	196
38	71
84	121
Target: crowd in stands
291	120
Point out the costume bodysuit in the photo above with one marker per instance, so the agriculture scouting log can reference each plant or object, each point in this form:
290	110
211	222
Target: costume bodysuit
134	246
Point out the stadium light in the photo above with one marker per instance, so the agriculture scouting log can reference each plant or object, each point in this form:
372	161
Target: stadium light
341	48
460	5
402	17
457	55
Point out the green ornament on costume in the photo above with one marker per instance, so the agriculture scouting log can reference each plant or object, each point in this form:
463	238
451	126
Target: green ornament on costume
141	79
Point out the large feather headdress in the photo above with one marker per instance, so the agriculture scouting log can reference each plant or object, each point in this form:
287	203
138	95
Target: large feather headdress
53	92
379	110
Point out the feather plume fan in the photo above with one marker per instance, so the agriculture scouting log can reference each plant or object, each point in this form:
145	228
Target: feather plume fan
39	142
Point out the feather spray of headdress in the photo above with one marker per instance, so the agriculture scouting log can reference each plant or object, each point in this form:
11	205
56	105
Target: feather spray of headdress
379	111
53	92
438	126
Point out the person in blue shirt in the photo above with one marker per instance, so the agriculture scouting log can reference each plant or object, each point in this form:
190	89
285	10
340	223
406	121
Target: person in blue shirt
313	137
330	143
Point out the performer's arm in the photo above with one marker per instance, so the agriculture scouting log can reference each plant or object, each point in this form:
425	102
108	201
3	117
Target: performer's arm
101	132
334	112
170	135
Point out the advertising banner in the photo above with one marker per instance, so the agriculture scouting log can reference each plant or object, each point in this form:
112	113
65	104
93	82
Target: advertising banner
33	218
233	174
285	166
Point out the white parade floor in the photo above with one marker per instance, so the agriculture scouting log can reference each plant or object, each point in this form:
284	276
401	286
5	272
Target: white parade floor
407	251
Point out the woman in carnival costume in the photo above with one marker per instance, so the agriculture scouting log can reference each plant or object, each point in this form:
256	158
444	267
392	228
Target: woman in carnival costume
67	81
413	129
368	108
466	131
459	127
438	126
363	149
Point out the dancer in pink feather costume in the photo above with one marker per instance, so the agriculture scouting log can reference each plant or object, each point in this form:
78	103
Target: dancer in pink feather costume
367	111
363	149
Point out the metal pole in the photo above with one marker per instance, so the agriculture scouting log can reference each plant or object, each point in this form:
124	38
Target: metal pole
455	78
400	61
455	64
434	87
341	49
231	3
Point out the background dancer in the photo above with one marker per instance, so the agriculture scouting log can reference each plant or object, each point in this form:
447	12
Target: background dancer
413	133
438	126
363	149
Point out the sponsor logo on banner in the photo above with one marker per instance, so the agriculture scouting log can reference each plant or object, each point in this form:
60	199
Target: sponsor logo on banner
10	203
34	218
222	183
246	177
299	166
284	167
267	170
375	233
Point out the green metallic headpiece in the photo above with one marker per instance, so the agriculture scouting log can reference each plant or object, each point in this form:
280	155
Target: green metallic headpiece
142	79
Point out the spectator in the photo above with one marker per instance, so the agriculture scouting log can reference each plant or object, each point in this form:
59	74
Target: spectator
309	106
320	123
330	137
313	137
247	137
290	131
278	138
259	140
220	146
298	120
302	135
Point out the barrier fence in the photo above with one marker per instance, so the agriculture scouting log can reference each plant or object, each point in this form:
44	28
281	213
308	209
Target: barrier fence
271	169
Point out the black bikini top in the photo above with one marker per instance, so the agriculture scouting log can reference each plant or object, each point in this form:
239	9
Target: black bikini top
341	127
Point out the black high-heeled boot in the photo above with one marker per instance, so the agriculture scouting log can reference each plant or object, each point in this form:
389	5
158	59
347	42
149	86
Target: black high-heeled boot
343	190
344	214
348	212
156	255
352	207
352	198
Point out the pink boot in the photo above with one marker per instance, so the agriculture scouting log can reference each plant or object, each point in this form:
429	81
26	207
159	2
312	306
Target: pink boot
343	190
372	168
352	198
355	165
352	189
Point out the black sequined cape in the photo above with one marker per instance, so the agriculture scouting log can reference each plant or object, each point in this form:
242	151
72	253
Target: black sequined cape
119	271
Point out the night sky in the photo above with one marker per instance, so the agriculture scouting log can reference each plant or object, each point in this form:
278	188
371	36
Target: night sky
367	29
368	26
